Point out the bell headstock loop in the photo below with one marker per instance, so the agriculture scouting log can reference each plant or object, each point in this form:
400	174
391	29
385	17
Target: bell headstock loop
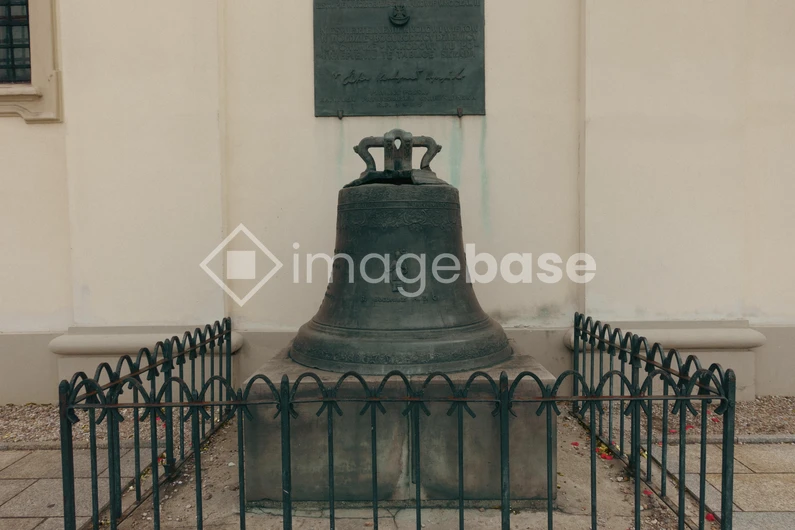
398	148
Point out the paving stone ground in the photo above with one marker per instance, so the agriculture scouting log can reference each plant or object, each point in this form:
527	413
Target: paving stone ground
764	497
220	507
764	482
30	495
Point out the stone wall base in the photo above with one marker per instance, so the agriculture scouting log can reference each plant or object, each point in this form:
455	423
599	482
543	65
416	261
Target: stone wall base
31	369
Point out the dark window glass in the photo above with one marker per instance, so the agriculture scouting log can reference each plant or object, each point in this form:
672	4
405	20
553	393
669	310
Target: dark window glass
14	42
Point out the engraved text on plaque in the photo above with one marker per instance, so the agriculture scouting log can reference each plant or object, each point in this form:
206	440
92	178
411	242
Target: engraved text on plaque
399	57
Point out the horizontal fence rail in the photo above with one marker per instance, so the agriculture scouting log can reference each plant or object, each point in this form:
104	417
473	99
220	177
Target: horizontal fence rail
172	385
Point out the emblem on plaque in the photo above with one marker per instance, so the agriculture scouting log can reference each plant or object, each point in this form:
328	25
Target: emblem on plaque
399	16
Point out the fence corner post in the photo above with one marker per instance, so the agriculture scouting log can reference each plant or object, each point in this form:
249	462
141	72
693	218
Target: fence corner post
67	458
228	343
576	366
727	479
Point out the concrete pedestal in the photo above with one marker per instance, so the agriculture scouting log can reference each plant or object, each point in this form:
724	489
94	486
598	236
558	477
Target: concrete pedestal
438	441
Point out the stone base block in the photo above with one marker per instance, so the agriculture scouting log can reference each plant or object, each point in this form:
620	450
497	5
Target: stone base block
394	434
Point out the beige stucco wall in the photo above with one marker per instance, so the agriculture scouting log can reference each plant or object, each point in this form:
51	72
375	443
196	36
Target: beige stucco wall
35	292
516	168
34	232
657	136
141	92
690	128
689	159
770	163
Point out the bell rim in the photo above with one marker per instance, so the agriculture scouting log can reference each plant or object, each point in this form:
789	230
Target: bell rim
462	365
416	350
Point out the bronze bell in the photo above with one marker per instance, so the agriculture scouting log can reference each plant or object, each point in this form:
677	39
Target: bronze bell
378	314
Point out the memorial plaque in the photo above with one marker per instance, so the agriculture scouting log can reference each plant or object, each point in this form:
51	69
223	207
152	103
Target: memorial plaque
410	57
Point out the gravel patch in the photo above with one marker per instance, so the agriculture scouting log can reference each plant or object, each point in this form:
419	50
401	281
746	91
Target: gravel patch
765	416
29	425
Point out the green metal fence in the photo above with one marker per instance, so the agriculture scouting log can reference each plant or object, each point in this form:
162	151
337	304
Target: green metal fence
625	367
188	381
198	366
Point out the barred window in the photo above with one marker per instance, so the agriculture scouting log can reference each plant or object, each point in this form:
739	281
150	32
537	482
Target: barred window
14	42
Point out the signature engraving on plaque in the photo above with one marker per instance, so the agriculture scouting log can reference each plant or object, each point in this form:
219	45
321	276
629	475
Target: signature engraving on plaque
355	77
441	79
397	77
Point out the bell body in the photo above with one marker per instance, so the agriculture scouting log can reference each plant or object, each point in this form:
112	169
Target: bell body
380	314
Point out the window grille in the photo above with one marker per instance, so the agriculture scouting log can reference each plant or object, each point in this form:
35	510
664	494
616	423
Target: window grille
14	42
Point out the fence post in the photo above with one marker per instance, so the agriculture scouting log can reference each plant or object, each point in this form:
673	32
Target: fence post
374	456
114	479
284	404
634	436
168	354
576	390
67	458
330	426
551	438
197	456
241	459
727	480
229	394
634	459
505	476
